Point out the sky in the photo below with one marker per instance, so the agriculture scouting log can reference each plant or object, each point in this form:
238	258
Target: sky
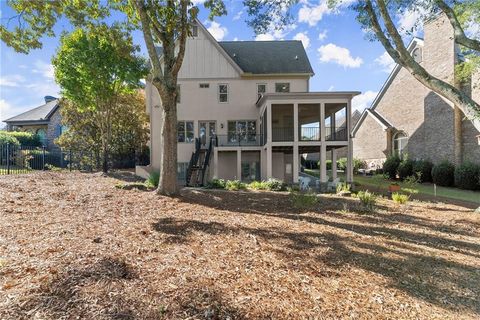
341	56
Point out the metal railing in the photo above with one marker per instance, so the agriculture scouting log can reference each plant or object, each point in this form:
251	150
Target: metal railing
309	134
235	139
336	134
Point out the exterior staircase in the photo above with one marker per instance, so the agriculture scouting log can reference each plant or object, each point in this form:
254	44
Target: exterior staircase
199	164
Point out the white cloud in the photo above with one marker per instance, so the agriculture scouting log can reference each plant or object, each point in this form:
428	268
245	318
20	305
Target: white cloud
14	80
45	69
5	110
473	29
386	62
217	31
364	100
410	22
265	37
331	88
322	35
235	39
197	2
302	36
313	13
238	15
339	55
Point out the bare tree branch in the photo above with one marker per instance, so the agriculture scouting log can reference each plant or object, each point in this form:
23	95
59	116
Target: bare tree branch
182	39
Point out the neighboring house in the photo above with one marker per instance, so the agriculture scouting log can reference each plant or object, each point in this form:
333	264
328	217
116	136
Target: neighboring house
44	120
408	118
253	98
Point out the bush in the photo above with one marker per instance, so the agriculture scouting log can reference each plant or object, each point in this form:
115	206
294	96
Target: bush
423	170
303	200
405	169
400	198
343	187
467	176
216	184
275	185
26	138
367	199
6	138
358	164
390	166
257	185
153	179
234	185
342	164
443	174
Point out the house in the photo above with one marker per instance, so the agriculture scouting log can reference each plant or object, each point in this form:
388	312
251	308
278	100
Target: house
253	99
44	120
408	118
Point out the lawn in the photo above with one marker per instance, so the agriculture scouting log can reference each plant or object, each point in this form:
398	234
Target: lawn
73	246
423	189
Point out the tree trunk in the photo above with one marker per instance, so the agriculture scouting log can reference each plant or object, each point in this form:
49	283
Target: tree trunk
167	184
105	157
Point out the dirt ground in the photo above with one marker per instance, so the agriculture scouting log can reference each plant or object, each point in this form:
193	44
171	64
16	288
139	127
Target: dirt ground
72	246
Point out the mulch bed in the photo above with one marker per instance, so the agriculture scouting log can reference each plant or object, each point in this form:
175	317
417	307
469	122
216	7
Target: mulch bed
73	246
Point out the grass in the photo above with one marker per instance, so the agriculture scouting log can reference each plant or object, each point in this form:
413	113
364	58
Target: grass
423	188
14	170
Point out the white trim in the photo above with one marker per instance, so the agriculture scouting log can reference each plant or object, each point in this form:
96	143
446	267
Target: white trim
219	93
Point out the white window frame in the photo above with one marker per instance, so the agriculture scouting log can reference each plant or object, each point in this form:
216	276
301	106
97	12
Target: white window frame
185	133
277	83
204	85
402	143
194	34
219	93
258	93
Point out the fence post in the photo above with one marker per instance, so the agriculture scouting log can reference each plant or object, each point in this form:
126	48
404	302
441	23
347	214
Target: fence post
8	158
70	159
43	157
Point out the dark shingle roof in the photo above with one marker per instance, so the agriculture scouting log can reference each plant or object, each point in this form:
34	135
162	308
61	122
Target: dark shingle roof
41	113
268	57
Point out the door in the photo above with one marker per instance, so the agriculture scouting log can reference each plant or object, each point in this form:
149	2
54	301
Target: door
206	130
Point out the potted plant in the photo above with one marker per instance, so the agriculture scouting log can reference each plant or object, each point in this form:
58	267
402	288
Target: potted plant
394	187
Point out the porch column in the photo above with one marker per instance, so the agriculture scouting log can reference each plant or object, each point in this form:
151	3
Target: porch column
322	123
215	163
350	143
269	162
323	163
295	162
334	164
269	141
295	122
239	164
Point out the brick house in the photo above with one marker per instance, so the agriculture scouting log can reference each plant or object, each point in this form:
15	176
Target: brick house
44	120
408	118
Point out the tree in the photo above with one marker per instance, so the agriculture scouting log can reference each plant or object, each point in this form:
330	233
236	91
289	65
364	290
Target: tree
96	70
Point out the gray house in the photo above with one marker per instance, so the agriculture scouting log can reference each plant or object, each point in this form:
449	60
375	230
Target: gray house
44	120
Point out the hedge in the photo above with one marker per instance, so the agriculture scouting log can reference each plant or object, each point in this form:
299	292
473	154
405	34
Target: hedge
6	138
390	166
405	169
467	176
443	174
424	167
24	138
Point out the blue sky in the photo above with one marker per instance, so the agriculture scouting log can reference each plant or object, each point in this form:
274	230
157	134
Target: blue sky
341	56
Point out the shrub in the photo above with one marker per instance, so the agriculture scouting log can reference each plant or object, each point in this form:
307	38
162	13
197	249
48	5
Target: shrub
405	169
275	185
400	198
216	184
234	185
303	200
328	163
467	176
443	174
153	179
343	187
6	138
26	138
358	164
342	164
367	199
257	185
390	166
423	169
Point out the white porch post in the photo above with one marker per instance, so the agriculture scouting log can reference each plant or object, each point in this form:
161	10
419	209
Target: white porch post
215	163
295	163
323	147
350	143
239	164
334	164
295	122
269	141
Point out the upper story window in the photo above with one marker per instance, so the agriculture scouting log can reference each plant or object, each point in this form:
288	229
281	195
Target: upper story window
223	93
261	89
204	85
194	31
243	130
400	141
185	131
282	87
417	55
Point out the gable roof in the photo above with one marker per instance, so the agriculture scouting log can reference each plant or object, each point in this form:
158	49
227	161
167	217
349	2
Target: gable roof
38	114
269	57
376	116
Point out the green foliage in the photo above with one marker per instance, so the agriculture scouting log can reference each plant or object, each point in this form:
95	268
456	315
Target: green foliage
367	199
443	174
343	187
328	163
216	184
423	170
303	200
342	164
270	184
405	169
467	176
357	164
399	198
7	138
235	185
24	138
390	166
411	184
257	185
153	179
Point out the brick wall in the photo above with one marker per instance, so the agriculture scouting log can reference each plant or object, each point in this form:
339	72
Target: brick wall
370	142
53	129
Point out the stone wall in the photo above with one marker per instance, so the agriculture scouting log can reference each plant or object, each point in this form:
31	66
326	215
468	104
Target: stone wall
54	129
370	142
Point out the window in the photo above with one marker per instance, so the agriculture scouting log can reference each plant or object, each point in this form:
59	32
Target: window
282	87
223	93
182	172
178	93
204	85
242	130
261	89
400	141
417	55
194	31
185	131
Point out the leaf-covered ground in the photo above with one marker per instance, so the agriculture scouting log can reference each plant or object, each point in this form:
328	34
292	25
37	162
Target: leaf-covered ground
74	246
